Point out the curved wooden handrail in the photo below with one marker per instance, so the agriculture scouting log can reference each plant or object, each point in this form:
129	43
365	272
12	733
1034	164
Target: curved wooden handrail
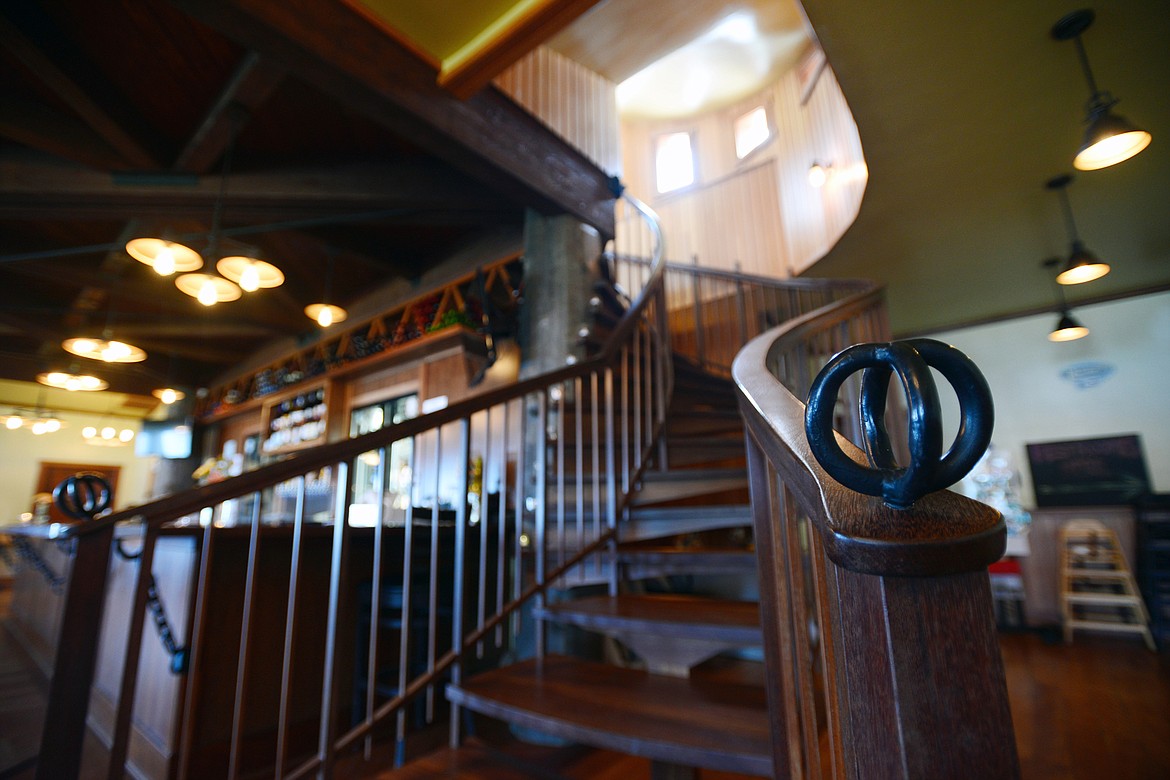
942	533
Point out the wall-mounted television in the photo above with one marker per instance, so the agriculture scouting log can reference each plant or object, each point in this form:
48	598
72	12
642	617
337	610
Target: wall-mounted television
164	438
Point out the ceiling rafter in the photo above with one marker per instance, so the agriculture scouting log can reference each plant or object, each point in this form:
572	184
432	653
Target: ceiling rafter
487	136
131	150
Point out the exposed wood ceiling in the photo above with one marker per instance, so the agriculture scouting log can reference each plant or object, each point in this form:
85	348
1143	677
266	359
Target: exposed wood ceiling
115	117
121	117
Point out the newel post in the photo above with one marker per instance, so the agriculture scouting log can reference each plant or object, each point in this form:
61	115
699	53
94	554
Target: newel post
63	733
921	668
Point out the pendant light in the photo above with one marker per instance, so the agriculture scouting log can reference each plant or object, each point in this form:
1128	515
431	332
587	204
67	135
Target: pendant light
1109	138
325	313
163	255
1082	265
1068	327
72	381
106	348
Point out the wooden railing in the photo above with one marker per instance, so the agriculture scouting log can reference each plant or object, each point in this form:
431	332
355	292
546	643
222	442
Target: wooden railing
477	525
714	313
880	643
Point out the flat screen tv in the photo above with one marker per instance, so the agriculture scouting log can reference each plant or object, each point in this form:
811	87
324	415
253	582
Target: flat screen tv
164	438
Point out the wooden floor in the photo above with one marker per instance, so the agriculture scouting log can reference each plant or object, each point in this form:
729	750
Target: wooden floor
1096	709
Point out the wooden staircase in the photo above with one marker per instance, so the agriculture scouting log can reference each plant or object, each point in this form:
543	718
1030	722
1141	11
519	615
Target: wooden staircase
687	536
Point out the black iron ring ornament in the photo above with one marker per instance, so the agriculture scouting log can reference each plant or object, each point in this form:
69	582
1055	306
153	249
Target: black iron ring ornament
929	470
83	496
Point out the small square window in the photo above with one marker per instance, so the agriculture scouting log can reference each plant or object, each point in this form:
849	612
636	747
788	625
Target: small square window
751	131
674	162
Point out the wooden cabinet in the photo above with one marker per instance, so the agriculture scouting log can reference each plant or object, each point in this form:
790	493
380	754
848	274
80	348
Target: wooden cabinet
295	420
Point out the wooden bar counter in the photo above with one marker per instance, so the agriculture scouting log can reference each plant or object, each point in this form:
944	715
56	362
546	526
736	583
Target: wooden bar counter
161	698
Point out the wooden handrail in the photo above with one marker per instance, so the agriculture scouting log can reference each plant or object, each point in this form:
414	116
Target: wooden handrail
902	677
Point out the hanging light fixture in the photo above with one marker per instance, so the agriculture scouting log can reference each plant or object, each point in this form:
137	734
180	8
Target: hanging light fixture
1109	138
250	273
163	255
67	380
1082	265
325	313
168	395
208	289
1068	327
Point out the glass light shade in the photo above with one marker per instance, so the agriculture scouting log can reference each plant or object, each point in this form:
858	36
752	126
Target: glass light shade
325	314
168	395
207	289
1109	139
165	257
818	174
13	421
72	382
1082	266
248	272
1068	329
101	349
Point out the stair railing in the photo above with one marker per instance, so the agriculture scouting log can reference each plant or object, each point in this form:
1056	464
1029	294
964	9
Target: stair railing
880	641
713	312
445	559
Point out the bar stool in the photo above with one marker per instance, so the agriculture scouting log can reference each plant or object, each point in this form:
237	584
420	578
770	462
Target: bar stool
1098	592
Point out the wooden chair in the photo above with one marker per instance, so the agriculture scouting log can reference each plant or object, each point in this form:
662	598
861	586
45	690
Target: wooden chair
1098	592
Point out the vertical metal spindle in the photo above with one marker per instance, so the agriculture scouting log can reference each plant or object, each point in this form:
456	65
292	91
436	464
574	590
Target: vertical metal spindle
520	504
459	580
382	477
697	304
595	422
611	479
579	493
290	629
635	401
336	575
541	491
195	661
625	394
406	632
245	642
560	476
485	469
433	583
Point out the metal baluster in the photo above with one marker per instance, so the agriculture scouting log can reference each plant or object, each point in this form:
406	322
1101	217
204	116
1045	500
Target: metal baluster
579	407
433	583
700	354
611	479
458	571
405	634
596	448
481	595
336	571
541	497
382	477
290	629
245	643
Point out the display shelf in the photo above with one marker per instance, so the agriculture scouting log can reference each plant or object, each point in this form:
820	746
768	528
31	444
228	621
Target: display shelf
295	420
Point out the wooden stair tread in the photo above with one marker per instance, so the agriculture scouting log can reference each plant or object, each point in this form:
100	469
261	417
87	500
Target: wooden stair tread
698	558
683	721
662	615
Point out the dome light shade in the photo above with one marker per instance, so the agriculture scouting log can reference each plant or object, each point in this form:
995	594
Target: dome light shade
1082	266
1109	139
108	351
72	382
207	289
164	256
325	314
1068	328
248	272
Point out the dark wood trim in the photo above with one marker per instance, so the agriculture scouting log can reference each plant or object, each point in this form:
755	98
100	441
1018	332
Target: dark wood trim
536	26
488	137
61	85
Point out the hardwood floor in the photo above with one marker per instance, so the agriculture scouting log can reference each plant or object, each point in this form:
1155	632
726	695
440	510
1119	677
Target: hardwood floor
1096	709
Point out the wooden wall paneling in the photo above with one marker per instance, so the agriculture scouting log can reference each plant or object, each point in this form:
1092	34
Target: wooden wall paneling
576	103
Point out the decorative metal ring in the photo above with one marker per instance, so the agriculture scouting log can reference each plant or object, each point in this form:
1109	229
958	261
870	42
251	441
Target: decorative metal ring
83	496
929	470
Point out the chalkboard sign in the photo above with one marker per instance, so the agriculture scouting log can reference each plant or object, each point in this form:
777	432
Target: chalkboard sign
1088	472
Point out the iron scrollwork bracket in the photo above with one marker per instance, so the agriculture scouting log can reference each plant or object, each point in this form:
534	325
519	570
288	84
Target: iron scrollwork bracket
929	470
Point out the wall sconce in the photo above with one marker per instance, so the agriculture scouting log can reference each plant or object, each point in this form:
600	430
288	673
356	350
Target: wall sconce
1109	138
818	173
1082	265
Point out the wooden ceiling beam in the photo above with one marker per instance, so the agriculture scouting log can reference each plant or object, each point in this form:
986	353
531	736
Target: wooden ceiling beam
133	153
39	127
253	81
40	190
488	136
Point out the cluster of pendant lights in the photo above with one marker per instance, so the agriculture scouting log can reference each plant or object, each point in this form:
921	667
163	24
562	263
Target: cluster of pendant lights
1109	139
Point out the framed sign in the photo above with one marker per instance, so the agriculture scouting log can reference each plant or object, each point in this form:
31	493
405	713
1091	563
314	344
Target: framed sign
1089	472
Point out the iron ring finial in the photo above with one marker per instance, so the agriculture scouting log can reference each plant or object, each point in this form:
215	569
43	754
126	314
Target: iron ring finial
928	470
83	496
